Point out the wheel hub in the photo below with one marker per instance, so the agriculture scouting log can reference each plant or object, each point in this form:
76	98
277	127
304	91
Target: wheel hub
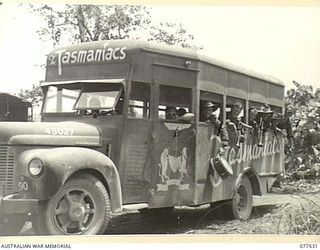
77	212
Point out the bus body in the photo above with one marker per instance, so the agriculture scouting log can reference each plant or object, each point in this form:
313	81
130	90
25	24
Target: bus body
103	121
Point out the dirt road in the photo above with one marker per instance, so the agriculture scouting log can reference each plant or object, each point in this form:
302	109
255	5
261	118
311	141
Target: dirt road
265	219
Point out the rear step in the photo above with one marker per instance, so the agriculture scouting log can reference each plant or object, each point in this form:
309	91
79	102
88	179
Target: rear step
131	207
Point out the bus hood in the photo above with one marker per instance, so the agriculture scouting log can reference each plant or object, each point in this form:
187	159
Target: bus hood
49	133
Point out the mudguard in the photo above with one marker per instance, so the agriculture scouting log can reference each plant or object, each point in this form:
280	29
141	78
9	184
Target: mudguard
62	163
254	180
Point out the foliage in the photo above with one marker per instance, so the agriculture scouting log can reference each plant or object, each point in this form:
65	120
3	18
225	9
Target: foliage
304	162
171	34
305	186
301	220
34	95
83	23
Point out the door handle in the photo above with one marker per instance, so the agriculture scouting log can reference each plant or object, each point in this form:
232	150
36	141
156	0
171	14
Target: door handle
193	133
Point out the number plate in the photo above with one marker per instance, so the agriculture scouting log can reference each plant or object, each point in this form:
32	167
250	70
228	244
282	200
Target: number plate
24	183
59	131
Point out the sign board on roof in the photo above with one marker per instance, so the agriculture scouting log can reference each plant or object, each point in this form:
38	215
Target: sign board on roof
83	55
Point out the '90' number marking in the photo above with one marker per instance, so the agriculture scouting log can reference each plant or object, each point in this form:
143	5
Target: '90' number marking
23	186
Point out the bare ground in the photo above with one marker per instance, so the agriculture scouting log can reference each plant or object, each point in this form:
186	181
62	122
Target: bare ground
267	218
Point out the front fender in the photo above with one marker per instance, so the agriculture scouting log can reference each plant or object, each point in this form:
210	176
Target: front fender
254	180
61	163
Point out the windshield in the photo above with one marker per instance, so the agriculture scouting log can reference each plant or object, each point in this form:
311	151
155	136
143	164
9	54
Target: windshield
105	97
60	99
70	98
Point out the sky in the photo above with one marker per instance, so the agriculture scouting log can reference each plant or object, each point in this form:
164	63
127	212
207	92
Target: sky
283	42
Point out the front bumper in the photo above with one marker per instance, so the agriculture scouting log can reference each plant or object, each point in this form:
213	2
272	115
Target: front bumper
13	204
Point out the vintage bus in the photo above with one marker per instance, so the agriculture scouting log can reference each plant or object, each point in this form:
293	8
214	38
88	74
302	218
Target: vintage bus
105	141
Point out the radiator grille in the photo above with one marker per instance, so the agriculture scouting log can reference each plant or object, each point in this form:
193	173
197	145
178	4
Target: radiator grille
6	171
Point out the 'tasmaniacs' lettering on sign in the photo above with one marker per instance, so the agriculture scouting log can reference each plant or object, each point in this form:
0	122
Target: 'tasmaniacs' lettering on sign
251	152
63	57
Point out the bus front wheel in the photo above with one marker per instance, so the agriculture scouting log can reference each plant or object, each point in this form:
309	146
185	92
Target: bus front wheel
81	206
240	206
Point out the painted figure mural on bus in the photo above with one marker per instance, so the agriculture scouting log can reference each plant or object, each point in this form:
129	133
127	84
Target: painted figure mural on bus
173	163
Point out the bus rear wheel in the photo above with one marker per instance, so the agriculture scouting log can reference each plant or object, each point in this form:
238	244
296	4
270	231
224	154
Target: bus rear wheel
81	206
240	206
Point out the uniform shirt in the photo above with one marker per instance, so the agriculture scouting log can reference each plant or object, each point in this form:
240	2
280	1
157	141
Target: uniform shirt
287	125
220	130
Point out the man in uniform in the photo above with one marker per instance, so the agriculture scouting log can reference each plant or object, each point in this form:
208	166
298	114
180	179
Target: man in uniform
287	125
209	116
233	124
236	109
253	112
216	160
171	113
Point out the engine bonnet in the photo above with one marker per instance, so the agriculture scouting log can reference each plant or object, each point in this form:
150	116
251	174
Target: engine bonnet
49	133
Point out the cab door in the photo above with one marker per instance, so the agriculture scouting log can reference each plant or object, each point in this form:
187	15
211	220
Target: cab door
173	148
136	145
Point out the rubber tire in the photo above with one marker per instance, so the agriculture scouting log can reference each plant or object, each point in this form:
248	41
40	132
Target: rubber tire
230	208
11	225
44	222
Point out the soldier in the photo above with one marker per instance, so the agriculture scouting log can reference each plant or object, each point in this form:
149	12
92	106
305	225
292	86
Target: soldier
216	160
234	125
287	125
236	109
171	113
265	113
209	116
264	122
95	104
181	112
253	112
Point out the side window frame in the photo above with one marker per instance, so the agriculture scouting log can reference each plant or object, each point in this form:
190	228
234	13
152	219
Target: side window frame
146	105
162	105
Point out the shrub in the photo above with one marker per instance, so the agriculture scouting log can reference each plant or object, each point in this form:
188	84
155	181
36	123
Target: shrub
300	220
304	161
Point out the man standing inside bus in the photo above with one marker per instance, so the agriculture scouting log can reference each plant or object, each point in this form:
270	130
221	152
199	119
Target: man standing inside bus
216	161
236	109
209	115
171	113
234	124
287	125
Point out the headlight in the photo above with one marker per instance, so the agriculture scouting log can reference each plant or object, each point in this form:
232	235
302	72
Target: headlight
35	167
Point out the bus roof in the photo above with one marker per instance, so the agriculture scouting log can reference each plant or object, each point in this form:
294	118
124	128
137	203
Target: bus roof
169	50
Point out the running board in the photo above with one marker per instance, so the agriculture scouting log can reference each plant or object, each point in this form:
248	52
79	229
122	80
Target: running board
130	207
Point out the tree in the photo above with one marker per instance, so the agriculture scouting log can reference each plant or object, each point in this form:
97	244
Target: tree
171	34
304	162
35	95
83	23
